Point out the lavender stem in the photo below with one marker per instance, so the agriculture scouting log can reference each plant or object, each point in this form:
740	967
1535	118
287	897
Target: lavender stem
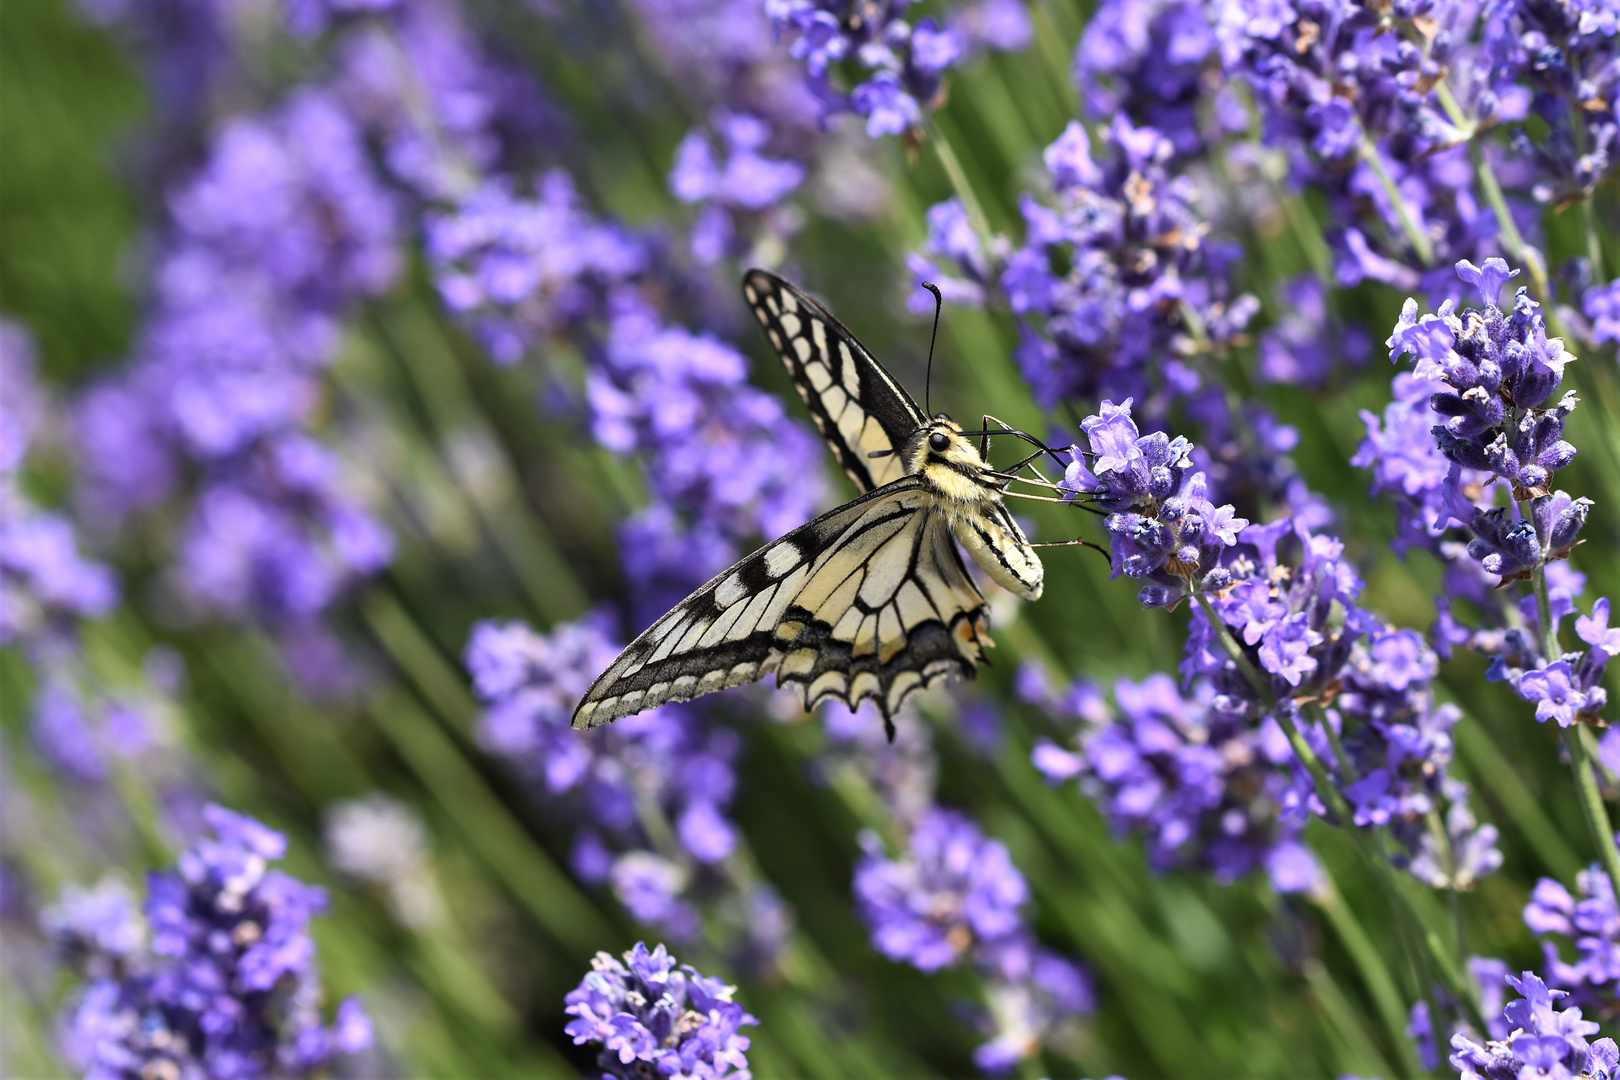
1419	242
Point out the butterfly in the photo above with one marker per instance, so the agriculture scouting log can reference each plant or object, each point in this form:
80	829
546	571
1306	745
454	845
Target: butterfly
870	600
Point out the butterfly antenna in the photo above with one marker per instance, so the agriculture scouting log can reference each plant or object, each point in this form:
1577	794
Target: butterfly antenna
928	379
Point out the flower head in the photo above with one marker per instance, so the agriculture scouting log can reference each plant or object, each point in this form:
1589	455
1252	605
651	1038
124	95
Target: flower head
226	984
652	1016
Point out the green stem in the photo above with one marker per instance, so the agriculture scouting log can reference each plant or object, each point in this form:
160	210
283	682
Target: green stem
1409	225
1374	973
959	181
1501	778
1597	815
1368	845
1594	246
1514	241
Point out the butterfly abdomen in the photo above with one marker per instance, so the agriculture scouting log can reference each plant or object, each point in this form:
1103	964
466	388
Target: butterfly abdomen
998	545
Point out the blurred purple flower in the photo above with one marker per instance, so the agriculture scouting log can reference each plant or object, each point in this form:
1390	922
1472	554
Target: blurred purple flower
951	891
1201	790
1592	924
1296	351
1145	59
901	65
1602	306
744	181
226	986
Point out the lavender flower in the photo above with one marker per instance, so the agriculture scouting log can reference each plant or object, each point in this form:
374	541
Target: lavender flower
226	983
521	269
650	1017
1602	306
1162	526
1295	351
1133	247
1145	59
952	891
1592	924
446	112
1349	93
1500	370
1202	790
745	181
1545	1041
954	258
283	227
1301	633
955	895
44	582
1564	55
1494	378
98	932
903	65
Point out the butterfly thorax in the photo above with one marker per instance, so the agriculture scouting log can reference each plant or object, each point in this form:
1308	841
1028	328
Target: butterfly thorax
969	491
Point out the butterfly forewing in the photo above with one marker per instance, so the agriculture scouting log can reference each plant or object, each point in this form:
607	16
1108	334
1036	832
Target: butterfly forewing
857	406
870	600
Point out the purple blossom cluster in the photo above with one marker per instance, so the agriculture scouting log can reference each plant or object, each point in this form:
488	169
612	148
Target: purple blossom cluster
652	1018
1162	527
281	229
735	177
1352	94
956	258
634	788
1567	55
443	110
221	981
954	895
1480	414
1601	304
1302	640
1148	60
1204	790
82	728
1108	274
1294	350
901	66
1500	371
44	581
724	462
1544	1041
1592	924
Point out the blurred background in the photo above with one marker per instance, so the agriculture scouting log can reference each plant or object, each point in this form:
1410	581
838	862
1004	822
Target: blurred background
373	370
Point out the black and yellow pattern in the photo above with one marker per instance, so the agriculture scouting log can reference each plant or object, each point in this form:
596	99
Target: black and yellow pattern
871	600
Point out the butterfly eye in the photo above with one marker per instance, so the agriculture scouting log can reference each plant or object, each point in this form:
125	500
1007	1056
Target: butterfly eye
939	441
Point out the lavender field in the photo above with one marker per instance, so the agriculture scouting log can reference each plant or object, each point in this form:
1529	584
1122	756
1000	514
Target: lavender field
373	371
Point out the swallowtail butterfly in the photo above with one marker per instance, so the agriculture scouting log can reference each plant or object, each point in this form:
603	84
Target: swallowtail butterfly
870	600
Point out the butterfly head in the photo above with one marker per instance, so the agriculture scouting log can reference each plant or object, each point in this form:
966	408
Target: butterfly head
939	452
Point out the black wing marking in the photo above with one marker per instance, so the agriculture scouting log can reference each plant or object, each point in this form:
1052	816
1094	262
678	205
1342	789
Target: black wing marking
857	405
869	600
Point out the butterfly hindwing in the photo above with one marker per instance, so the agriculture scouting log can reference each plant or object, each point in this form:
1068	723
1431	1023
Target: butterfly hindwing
855	403
869	600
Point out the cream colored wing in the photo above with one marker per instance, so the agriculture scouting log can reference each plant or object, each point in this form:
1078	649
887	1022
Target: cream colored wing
856	404
868	601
